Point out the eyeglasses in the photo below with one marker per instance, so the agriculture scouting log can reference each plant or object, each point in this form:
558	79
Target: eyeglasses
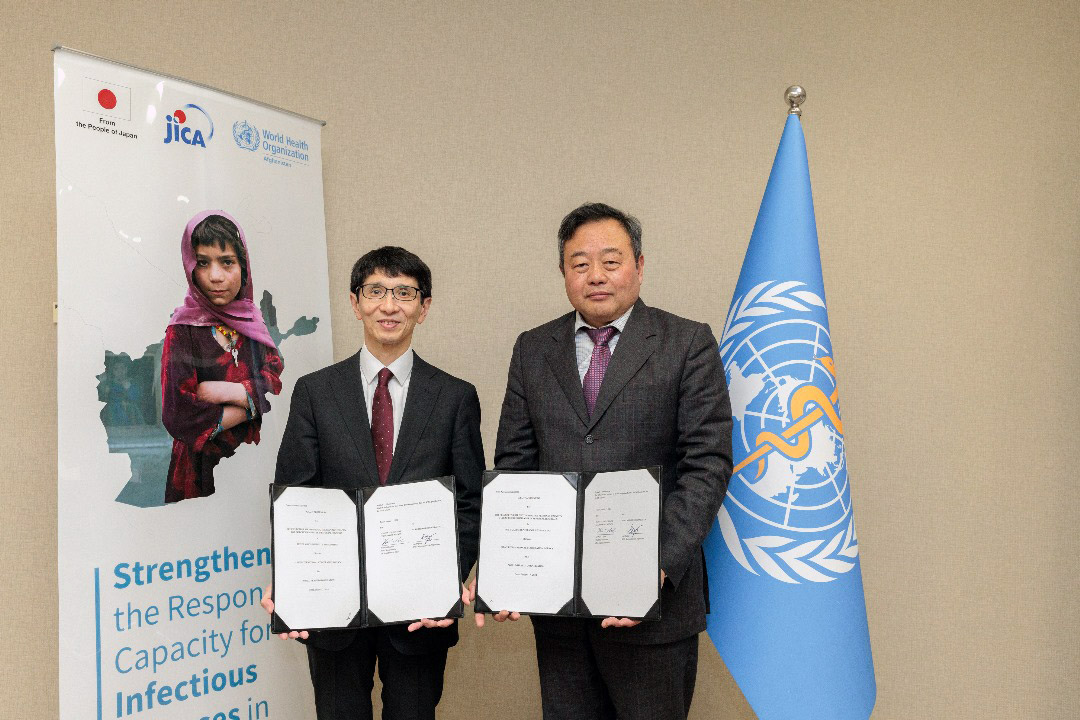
375	291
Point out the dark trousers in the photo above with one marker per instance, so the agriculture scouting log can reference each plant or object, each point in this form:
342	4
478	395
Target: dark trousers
588	676
343	679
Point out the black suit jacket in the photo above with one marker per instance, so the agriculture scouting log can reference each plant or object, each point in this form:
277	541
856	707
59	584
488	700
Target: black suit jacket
663	402
327	442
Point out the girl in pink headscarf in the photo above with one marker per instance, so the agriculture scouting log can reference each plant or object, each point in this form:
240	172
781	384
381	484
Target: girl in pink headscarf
218	362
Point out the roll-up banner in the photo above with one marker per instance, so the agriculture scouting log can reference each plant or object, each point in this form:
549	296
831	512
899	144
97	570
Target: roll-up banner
192	293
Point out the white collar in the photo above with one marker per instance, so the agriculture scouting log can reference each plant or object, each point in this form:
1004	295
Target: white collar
370	366
619	323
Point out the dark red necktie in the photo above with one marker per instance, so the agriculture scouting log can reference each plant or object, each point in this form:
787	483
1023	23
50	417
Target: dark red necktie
598	363
382	425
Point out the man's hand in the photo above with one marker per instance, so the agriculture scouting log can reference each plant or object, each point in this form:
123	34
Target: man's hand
468	594
627	622
268	605
501	616
429	623
466	598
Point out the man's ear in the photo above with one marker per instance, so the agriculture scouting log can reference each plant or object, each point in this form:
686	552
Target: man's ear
424	307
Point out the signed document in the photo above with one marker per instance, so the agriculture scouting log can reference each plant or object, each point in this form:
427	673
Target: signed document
620	555
527	542
410	551
316	558
364	556
573	544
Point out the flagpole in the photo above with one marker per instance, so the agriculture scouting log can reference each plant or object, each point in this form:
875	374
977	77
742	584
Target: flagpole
795	97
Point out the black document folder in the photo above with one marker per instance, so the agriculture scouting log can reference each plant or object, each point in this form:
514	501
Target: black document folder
572	544
362	557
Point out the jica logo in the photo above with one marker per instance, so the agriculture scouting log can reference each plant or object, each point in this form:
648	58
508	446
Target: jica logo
190	125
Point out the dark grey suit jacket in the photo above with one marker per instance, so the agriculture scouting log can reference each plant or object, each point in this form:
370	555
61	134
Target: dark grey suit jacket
327	442
663	402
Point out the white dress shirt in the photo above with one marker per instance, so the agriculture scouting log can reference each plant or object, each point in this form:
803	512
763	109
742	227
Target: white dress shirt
398	385
583	344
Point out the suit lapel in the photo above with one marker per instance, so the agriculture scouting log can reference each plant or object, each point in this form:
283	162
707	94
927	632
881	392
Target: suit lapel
562	359
353	406
639	340
423	392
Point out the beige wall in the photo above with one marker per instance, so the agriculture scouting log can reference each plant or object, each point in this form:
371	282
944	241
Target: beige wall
944	154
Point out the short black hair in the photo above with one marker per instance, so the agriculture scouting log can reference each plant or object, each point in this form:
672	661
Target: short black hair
591	212
221	232
393	261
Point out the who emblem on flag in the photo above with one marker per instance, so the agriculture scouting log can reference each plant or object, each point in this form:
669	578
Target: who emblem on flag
788	614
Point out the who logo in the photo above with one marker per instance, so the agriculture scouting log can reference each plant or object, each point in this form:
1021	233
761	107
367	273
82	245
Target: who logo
245	135
788	510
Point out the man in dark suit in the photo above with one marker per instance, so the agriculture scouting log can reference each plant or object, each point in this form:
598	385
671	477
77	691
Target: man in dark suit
615	385
385	416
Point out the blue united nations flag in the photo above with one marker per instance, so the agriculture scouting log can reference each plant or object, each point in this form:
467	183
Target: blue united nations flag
788	616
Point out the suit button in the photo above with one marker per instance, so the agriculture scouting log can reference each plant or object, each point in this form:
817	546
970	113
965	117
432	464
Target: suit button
588	439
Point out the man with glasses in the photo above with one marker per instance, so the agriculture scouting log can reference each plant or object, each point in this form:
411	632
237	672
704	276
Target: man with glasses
380	417
615	385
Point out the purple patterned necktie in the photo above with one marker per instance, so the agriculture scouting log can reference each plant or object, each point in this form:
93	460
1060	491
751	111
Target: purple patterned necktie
382	425
601	355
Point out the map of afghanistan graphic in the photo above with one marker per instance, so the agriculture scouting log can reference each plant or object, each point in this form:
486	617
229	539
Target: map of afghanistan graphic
131	391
